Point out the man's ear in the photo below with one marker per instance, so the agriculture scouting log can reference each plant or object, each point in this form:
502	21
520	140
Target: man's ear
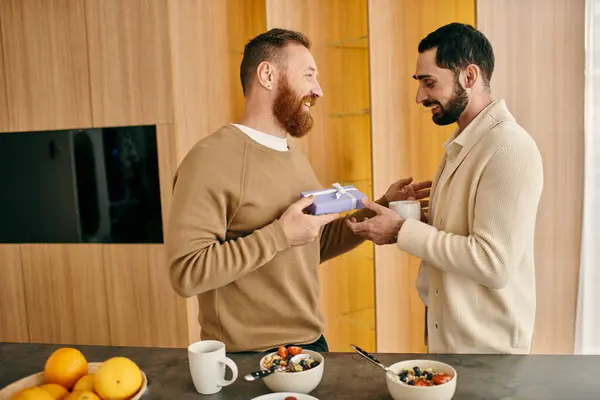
472	74
265	72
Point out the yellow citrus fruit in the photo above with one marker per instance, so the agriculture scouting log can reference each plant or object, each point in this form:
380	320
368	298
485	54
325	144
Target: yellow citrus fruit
85	383
57	391
117	378
65	366
82	395
35	393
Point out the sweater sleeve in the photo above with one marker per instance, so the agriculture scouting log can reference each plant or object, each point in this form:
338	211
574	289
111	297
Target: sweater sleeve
206	195
505	211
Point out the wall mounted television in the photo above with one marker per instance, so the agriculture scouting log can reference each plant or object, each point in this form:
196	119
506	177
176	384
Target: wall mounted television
97	185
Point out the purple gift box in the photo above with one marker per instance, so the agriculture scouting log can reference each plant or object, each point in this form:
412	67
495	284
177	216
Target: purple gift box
335	200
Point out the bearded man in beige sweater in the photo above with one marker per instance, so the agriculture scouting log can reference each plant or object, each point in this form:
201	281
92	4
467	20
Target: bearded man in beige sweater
477	276
237	236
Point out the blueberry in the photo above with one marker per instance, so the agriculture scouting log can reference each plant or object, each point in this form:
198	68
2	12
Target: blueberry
314	364
429	376
273	367
403	378
411	383
276	362
417	371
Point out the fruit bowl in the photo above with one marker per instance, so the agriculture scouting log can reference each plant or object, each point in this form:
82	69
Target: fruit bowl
299	382
402	391
38	379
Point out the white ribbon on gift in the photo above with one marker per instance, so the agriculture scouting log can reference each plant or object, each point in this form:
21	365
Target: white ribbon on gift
339	192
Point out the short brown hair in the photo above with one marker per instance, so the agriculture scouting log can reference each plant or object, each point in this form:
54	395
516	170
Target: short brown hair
267	47
459	45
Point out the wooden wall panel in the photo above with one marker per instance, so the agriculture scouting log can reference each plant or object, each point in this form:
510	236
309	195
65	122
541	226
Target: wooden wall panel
405	143
139	294
13	313
245	20
65	293
201	84
200	68
4	123
167	165
339	148
540	64
47	75
130	65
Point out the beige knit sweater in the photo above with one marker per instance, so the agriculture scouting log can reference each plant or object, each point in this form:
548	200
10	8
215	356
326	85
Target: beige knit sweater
226	245
477	276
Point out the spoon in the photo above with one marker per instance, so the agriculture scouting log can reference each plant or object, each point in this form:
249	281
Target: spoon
373	360
253	376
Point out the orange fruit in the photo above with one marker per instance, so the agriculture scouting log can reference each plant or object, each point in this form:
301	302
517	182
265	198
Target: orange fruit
35	393
65	366
85	383
117	378
82	395
57	391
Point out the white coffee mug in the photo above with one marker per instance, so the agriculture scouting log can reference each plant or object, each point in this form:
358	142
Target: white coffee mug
407	209
208	360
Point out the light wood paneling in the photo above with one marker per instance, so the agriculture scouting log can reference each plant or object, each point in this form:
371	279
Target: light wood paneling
65	294
13	313
405	143
200	68
339	148
130	68
245	20
4	123
139	295
202	88
543	46
47	75
167	165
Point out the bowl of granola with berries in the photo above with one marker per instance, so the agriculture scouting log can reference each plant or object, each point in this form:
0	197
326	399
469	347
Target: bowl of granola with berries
421	380
296	370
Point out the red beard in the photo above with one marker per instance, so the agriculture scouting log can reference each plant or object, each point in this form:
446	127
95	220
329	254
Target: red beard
289	111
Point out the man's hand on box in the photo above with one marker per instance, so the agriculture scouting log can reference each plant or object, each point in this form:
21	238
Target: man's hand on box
404	189
301	228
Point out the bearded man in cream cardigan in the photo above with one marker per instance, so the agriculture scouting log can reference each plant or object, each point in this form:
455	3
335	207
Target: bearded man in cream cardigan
477	276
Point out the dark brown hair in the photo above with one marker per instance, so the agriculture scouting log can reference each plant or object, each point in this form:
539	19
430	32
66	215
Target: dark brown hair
459	45
267	47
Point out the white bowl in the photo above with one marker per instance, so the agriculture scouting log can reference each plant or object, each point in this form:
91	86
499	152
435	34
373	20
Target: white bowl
402	391
298	382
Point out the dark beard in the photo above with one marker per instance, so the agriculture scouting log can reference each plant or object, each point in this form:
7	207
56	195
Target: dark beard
289	111
454	109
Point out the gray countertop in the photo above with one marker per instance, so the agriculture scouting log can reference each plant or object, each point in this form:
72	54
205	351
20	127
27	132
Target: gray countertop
346	375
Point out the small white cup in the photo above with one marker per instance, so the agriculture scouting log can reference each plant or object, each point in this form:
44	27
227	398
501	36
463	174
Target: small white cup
407	209
208	360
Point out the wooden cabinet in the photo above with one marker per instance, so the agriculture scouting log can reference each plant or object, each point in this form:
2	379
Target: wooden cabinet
130	63
143	309
73	64
4	123
46	64
65	294
13	321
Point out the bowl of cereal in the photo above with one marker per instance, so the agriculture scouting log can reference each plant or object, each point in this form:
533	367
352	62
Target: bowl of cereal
297	370
421	380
